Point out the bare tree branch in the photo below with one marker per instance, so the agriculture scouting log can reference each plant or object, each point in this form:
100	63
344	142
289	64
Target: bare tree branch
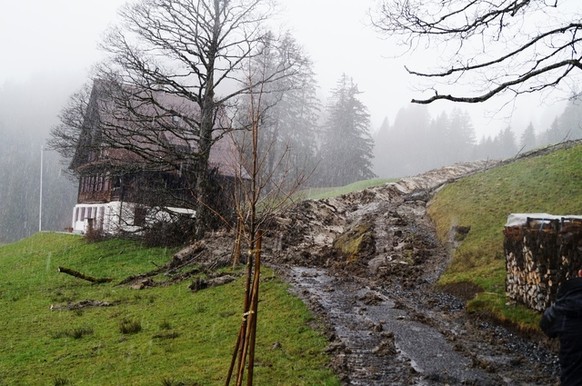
525	45
569	64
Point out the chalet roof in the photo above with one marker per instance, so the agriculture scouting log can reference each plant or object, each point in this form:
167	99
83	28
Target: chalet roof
126	124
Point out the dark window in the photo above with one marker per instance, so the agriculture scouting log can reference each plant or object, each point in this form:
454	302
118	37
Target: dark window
85	188
116	182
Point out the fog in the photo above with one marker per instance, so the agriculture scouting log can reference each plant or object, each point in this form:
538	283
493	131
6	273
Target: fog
27	111
49	48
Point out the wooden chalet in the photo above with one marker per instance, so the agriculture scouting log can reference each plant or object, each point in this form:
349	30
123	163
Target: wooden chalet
135	160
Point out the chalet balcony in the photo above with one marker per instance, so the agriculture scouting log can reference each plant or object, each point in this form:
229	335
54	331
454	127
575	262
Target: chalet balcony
99	196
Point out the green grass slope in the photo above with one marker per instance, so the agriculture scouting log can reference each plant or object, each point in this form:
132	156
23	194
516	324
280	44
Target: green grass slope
164	335
549	183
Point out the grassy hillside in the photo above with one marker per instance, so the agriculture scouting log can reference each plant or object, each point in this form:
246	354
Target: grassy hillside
156	336
550	183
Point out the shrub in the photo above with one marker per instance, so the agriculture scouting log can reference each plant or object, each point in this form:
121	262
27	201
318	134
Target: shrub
75	333
177	232
59	381
129	326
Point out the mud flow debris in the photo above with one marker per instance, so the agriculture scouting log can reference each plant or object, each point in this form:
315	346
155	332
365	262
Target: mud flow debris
366	263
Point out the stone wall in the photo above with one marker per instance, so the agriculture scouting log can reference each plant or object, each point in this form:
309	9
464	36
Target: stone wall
542	251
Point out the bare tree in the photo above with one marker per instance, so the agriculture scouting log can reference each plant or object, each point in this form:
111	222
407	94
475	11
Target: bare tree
188	48
64	136
167	51
497	47
263	189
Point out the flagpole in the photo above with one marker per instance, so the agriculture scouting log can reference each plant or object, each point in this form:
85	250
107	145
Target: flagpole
40	194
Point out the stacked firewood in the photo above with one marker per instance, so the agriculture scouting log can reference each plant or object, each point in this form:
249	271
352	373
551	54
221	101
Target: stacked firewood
542	251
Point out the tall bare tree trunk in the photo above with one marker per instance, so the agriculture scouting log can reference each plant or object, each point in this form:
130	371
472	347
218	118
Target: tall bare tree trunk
204	212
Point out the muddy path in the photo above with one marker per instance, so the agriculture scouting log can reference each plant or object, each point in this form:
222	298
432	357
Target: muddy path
376	342
381	338
366	263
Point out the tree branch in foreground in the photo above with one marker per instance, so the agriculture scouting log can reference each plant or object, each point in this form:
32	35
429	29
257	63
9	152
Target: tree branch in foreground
517	46
569	64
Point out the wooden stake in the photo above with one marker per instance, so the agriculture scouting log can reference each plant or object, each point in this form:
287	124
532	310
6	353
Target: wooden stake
254	309
245	343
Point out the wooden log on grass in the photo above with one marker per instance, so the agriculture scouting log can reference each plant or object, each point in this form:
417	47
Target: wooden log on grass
82	276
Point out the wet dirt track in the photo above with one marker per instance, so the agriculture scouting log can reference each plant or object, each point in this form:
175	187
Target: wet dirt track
376	340
378	344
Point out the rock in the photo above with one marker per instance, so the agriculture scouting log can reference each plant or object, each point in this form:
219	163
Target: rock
371	298
221	280
356	242
81	304
141	284
377	262
276	346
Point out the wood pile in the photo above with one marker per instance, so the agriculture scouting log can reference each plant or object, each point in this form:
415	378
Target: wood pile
542	251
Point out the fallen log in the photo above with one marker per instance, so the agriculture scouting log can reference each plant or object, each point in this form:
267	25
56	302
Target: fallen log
82	276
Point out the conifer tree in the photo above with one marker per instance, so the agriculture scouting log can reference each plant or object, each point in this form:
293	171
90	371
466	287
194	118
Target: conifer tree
347	146
528	138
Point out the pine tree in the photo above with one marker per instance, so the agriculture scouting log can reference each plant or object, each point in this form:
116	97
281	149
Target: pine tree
382	144
438	138
406	149
566	126
460	137
528	138
291	120
347	146
504	144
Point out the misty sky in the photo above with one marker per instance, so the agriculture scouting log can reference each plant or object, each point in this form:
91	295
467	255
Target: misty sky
41	38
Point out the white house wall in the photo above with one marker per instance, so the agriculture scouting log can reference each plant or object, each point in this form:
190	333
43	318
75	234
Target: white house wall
105	217
116	216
